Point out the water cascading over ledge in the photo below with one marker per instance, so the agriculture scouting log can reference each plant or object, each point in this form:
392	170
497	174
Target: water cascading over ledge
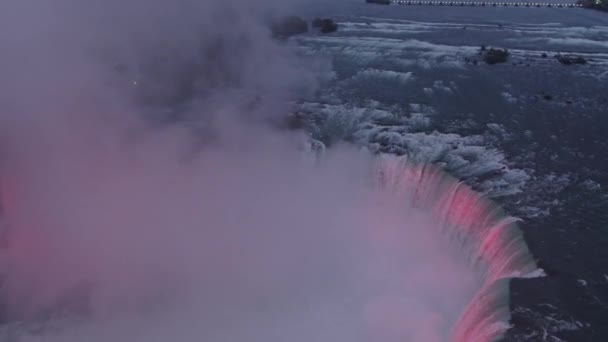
490	240
368	257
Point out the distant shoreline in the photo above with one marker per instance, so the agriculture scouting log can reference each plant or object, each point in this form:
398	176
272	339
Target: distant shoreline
600	5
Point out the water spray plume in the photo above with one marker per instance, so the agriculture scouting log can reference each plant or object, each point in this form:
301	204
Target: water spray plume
397	251
189	218
490	240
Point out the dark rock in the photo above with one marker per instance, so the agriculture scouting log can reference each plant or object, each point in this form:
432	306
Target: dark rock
296	121
289	26
570	59
548	97
328	26
569	102
544	55
495	56
483	47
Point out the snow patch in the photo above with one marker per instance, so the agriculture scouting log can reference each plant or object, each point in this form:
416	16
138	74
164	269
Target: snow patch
409	132
508	97
538	273
385	75
590	185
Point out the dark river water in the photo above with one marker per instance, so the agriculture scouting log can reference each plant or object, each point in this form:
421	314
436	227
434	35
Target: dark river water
531	132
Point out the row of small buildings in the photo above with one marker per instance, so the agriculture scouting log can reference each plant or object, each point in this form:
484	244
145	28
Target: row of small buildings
597	4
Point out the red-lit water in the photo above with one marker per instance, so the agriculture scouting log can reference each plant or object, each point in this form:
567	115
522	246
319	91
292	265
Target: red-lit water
301	252
490	240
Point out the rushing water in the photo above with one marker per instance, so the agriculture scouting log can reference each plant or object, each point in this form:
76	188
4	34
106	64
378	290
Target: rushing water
527	133
111	236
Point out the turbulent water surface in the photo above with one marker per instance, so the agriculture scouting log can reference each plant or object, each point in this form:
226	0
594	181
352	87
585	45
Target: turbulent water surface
145	198
529	133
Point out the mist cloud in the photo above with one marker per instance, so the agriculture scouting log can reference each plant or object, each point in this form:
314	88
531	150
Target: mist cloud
145	197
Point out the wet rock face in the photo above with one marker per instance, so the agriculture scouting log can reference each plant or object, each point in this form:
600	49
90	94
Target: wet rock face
496	56
289	26
296	121
325	25
328	25
571	59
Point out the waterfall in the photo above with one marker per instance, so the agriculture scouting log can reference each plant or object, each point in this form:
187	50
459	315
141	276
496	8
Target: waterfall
489	239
